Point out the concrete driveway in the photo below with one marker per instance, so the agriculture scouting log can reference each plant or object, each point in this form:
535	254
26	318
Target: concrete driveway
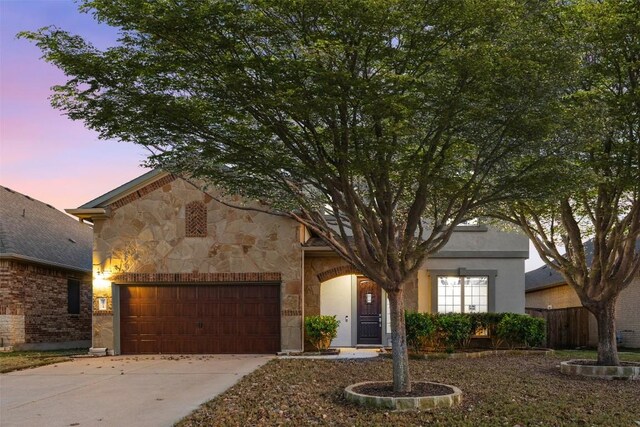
118	391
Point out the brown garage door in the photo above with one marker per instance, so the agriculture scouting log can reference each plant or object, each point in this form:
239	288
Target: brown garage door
203	319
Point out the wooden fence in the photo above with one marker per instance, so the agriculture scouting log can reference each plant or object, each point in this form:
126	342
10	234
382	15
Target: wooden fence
566	327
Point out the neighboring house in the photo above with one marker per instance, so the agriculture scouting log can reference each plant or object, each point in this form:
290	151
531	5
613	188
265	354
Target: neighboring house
547	289
45	275
175	271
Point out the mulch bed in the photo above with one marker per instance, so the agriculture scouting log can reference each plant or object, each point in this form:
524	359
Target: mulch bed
498	391
417	390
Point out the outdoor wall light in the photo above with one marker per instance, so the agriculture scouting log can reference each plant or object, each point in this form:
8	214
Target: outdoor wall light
101	281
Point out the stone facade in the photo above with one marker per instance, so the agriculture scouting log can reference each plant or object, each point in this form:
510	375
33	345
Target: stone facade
145	240
33	306
162	229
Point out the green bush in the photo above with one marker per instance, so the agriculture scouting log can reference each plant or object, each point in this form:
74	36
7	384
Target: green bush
489	323
521	329
419	327
321	330
453	330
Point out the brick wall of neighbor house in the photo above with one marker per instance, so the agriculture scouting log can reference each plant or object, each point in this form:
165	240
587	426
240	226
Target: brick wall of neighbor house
628	314
318	269
627	309
33	305
148	235
557	297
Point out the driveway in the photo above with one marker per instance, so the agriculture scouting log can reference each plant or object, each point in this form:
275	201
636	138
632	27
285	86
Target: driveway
118	391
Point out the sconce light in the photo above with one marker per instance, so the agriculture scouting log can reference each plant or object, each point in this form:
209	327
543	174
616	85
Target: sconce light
102	304
101	280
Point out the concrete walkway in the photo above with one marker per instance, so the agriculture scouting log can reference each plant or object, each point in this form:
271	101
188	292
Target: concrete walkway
118	391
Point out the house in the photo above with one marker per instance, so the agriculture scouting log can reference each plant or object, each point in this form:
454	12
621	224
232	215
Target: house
45	275
175	271
545	288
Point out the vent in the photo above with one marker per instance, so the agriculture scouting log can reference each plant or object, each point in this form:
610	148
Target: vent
72	241
9	190
28	197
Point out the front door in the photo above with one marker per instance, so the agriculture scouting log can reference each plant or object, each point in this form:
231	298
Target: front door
369	312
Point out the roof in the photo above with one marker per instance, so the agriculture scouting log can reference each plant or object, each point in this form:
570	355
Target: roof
124	189
546	277
34	231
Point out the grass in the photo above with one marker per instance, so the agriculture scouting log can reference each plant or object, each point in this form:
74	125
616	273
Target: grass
498	391
627	355
18	360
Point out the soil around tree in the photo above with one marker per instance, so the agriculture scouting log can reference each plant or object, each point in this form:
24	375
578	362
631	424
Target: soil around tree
418	389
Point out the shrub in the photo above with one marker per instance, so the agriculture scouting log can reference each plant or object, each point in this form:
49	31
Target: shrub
521	329
488	322
321	330
454	330
420	327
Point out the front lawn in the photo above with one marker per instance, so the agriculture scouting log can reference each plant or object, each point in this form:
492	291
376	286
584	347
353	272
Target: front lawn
627	355
498	391
17	360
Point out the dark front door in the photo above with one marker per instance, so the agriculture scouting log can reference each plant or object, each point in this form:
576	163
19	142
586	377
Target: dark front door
369	312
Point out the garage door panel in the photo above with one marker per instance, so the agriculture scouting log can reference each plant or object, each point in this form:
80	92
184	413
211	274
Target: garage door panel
200	319
187	293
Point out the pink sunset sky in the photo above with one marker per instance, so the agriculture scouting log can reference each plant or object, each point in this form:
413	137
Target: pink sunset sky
43	153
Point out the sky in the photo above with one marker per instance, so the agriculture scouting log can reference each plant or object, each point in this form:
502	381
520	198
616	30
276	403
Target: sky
43	153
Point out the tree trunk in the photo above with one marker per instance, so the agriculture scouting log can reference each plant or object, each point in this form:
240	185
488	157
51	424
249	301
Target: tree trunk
607	346
401	378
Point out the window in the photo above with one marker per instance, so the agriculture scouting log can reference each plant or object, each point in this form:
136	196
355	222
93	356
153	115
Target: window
463	294
73	296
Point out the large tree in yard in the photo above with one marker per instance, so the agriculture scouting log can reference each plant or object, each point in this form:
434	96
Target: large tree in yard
396	119
597	189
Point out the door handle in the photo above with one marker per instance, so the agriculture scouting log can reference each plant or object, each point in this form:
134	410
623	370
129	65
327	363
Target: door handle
346	319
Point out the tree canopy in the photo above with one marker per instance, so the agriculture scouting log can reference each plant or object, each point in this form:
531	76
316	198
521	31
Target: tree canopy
595	196
378	124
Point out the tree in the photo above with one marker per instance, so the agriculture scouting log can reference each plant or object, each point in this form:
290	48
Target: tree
378	124
596	185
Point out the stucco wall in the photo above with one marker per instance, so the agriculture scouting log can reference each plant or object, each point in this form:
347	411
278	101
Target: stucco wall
627	309
147	235
485	239
315	265
509	281
476	248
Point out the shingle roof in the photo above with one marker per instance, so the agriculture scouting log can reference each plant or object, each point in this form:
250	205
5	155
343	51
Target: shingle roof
545	276
35	231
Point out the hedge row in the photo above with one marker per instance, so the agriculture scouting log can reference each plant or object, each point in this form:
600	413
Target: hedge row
454	330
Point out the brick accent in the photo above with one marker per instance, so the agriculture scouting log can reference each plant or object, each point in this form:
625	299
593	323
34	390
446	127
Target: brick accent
96	306
196	219
142	192
196	277
39	293
337	272
291	312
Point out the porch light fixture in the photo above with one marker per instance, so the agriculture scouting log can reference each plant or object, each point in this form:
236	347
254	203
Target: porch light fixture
101	280
102	304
